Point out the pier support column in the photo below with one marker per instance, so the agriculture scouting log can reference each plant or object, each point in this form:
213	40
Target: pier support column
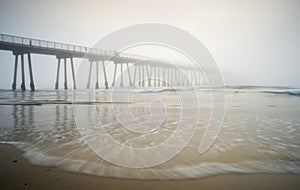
129	76
134	75
139	76
73	73
187	74
201	79
113	84
105	77
158	77
57	75
172	77
169	77
195	78
66	79
164	77
143	76
122	83
32	87
191	78
23	74
89	77
154	78
184	78
181	78
187	78
149	75
15	73
97	75
177	77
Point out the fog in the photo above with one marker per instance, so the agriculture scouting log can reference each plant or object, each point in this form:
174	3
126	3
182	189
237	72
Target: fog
253	42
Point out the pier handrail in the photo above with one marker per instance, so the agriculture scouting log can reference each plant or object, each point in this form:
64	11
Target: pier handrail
45	44
31	42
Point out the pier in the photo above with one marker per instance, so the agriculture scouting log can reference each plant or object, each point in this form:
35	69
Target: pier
148	72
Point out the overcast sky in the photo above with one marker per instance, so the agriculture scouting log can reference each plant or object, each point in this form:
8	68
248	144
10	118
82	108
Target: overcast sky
253	42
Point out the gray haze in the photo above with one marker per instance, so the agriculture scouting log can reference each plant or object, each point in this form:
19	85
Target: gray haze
253	42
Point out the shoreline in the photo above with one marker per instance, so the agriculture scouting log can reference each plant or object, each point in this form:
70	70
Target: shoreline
18	173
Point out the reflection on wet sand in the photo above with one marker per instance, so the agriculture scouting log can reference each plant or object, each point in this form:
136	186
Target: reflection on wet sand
252	139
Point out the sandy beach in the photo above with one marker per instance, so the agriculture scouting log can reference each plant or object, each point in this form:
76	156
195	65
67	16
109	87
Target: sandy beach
18	173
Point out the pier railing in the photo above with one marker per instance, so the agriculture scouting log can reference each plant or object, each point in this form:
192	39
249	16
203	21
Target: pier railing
30	42
75	49
22	45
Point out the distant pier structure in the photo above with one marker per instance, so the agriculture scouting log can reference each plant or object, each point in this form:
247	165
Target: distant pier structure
147	71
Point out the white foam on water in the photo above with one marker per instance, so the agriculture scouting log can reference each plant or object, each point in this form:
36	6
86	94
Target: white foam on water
180	172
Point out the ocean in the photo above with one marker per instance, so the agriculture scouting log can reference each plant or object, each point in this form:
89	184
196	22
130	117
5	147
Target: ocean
260	132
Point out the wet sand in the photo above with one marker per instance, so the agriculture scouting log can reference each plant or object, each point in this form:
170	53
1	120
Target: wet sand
18	173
